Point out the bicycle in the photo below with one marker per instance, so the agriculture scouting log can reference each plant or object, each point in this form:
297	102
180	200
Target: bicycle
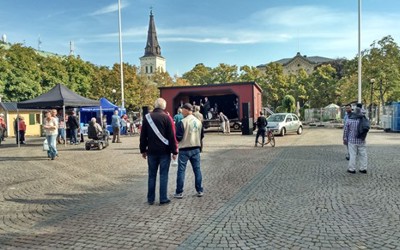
270	139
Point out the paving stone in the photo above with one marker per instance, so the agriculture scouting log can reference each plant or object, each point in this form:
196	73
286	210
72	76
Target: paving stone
296	195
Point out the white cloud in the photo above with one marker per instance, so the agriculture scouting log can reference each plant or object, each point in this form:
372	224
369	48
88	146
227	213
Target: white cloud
313	25
298	16
109	9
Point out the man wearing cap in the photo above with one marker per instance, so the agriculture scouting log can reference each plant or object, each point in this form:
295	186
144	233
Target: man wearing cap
157	143
189	133
357	148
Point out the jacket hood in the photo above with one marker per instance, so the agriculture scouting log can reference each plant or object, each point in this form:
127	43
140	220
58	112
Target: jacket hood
357	114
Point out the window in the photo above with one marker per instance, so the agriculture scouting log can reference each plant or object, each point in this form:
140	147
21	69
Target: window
151	69
32	120
147	70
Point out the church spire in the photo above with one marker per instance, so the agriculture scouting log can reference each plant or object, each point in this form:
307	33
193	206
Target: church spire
152	46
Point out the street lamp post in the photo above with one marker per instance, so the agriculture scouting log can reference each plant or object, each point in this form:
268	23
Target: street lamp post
120	56
113	95
359	52
371	98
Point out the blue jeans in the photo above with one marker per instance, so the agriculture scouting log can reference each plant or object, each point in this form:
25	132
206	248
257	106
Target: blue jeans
74	136
123	130
154	162
51	139
61	133
55	144
194	157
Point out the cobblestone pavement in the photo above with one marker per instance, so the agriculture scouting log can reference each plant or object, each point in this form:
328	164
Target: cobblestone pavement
296	195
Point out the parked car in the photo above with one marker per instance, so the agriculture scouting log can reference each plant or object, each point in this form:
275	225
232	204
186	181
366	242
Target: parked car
214	123
282	123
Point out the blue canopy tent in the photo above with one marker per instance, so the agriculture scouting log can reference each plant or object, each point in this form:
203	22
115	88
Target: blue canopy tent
107	108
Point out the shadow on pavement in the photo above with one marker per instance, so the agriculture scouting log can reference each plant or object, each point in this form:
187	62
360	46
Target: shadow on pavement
24	158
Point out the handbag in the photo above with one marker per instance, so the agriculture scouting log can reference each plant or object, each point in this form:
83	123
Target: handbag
45	145
174	163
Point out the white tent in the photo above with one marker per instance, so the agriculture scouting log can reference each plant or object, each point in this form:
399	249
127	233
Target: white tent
332	106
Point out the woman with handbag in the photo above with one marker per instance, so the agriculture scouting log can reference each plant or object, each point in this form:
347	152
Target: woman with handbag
51	130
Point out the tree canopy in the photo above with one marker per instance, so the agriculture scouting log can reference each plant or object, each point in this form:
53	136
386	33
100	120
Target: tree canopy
25	74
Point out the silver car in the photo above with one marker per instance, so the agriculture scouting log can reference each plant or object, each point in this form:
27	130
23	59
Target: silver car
282	123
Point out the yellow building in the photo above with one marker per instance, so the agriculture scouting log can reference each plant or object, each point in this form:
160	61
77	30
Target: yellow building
292	65
33	118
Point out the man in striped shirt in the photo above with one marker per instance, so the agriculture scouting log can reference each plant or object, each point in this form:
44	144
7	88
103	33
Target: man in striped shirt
357	146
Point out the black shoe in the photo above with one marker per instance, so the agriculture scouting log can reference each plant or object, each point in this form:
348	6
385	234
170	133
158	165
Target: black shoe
150	203
348	158
164	202
351	171
363	171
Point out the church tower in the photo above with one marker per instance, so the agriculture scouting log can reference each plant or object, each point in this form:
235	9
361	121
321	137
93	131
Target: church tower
152	61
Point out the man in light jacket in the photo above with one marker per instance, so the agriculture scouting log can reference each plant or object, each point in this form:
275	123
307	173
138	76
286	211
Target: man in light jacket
189	133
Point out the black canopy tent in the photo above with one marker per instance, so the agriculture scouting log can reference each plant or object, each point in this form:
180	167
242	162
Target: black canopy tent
58	97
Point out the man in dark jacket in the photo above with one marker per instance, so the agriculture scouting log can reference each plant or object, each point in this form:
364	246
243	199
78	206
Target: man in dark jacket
206	108
73	127
157	143
261	124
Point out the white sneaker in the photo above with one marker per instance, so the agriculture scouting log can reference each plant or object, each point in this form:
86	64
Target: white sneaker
178	196
200	194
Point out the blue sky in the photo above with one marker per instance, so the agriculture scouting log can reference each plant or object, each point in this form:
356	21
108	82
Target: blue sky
234	32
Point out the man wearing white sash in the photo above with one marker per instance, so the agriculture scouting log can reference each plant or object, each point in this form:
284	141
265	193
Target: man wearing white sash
157	143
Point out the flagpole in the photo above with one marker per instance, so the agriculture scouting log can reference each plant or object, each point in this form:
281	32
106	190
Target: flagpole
359	51
120	56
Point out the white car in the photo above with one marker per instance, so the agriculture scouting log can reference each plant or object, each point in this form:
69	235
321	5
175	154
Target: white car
282	123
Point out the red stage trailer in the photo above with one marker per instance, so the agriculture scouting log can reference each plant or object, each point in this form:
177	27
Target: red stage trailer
227	96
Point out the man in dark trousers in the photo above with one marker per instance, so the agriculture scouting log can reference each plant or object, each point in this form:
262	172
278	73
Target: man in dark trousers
73	127
157	143
206	108
261	124
189	133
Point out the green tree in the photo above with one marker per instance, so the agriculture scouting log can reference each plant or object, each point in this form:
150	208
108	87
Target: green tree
298	86
224	73
162	79
382	63
251	74
289	104
4	72
323	87
52	72
101	84
21	76
275	85
80	75
347	85
199	75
